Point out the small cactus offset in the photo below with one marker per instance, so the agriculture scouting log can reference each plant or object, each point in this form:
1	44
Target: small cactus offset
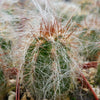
7	73
90	40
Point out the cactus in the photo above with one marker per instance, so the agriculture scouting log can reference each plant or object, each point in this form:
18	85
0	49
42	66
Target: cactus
90	41
6	72
47	71
5	49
